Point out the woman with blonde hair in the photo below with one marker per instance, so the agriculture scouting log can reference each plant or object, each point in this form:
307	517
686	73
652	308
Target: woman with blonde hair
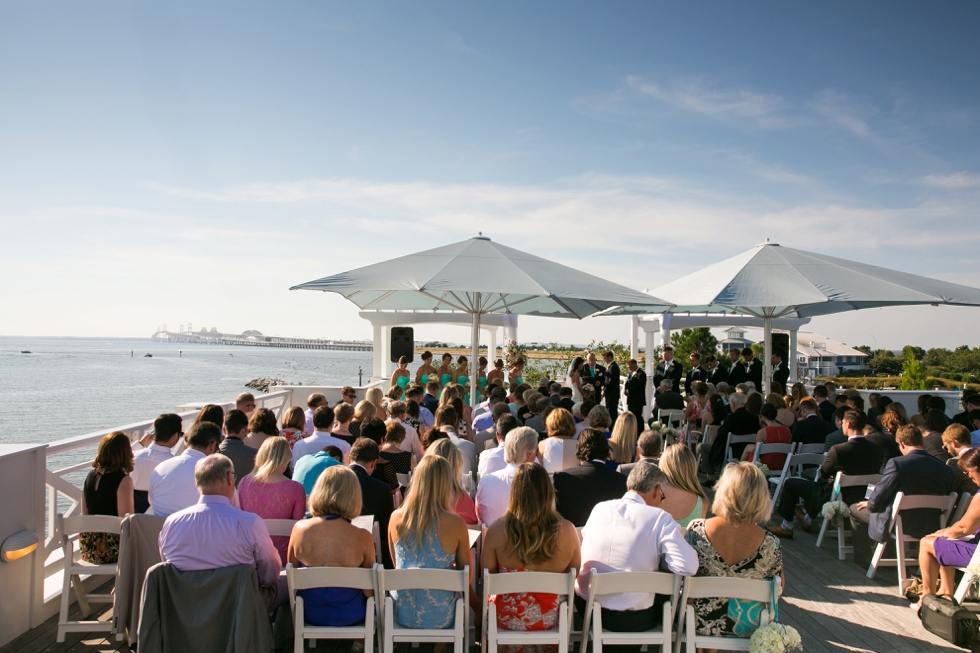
294	425
363	411
330	540
622	444
108	490
342	417
461	502
783	414
557	451
731	544
798	394
375	397
262	426
531	536
684	498
425	534
268	493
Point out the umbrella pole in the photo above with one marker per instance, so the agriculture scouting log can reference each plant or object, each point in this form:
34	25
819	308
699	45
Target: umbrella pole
767	362
475	352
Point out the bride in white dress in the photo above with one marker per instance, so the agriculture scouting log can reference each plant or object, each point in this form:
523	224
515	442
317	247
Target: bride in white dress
574	379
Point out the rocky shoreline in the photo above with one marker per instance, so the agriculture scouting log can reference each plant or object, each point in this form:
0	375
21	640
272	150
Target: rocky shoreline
263	384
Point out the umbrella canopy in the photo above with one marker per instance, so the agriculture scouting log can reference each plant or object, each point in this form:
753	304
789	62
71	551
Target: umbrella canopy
478	276
771	281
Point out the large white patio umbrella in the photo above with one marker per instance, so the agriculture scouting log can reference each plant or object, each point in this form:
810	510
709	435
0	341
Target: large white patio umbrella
770	281
480	277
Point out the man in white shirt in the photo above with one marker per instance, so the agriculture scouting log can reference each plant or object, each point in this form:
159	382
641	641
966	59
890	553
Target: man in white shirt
167	430
172	487
631	534
485	420
412	444
492	460
486	438
493	492
321	438
313	402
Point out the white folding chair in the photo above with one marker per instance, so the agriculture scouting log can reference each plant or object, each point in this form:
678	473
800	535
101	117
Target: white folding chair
280	527
647	582
528	581
404	480
737	439
668	416
961	506
842	480
708	587
942	503
776	476
968	583
802	459
707	439
810	448
74	570
357	578
448	580
367	523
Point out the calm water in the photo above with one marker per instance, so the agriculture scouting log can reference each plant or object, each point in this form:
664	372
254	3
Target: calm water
72	386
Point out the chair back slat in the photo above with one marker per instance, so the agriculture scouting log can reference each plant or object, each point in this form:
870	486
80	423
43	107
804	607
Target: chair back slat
304	578
774	448
621	582
816	447
707	587
529	581
742	439
807	459
450	580
91	524
279	527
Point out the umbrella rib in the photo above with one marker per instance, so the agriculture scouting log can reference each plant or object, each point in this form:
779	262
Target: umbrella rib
381	298
463	303
564	305
442	300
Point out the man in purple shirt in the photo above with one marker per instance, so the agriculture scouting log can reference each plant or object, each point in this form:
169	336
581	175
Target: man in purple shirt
213	534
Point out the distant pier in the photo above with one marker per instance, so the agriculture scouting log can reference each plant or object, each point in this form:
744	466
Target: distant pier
257	339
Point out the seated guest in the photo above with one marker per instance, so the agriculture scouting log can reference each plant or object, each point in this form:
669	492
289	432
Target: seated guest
447	421
579	488
914	472
166	432
487	438
975	425
461	503
824	405
321	437
784	415
932	434
294	426
948	548
554	394
556	452
772	432
856	457
648	449
330	540
268	493
108	490
245	402
241	455
492	458
493	491
667	399
599	419
631	534
375	396
536	422
957	440
971	402
684	498
565	399
739	422
532	536
622	443
342	416
398	412
391	450
313	402
810	428
347	395
211	413
363	411
731	544
425	534
885	438
717	411
172	485
375	495
837	437
309	468
430	401
485	420
211	533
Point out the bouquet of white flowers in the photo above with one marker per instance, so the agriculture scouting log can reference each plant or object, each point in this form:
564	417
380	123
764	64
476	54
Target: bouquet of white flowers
762	468
974	571
835	512
775	638
434	378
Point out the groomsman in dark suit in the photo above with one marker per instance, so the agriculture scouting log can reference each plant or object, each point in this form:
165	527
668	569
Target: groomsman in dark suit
780	370
611	391
736	370
636	391
695	374
753	368
595	375
716	373
668	368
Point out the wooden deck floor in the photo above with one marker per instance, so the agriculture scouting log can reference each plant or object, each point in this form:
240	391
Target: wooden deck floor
833	605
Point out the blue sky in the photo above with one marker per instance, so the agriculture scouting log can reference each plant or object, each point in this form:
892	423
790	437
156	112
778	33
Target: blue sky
175	162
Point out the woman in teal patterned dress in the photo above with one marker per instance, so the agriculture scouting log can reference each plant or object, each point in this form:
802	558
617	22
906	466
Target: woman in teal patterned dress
425	534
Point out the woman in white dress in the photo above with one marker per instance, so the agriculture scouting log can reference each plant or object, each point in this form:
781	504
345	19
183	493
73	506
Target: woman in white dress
557	451
574	380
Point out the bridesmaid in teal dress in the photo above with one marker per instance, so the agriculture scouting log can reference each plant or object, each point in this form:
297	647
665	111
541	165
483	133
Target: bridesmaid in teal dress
401	376
461	375
482	379
445	371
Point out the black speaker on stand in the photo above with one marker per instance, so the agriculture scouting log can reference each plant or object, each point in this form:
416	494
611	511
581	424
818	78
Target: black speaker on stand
780	345
402	343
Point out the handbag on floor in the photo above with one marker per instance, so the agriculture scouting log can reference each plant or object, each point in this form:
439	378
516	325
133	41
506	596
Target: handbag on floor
944	617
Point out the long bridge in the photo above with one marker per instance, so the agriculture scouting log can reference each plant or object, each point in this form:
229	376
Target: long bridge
256	339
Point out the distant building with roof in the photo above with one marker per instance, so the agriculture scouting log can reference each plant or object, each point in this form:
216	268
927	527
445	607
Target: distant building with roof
734	339
819	355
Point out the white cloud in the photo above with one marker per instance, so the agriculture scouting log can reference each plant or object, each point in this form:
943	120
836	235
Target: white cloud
700	96
955	181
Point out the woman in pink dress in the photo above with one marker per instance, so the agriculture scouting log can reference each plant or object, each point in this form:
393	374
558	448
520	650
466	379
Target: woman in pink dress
294	425
268	493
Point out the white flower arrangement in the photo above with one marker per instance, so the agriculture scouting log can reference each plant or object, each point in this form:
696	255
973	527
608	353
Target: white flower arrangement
835	512
775	638
974	572
762	468
434	378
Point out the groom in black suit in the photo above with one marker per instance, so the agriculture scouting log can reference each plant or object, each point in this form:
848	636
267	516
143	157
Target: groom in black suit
611	391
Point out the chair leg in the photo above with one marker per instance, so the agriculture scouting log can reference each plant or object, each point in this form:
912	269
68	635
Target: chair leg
822	533
879	552
298	625
81	595
903	580
691	631
596	631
